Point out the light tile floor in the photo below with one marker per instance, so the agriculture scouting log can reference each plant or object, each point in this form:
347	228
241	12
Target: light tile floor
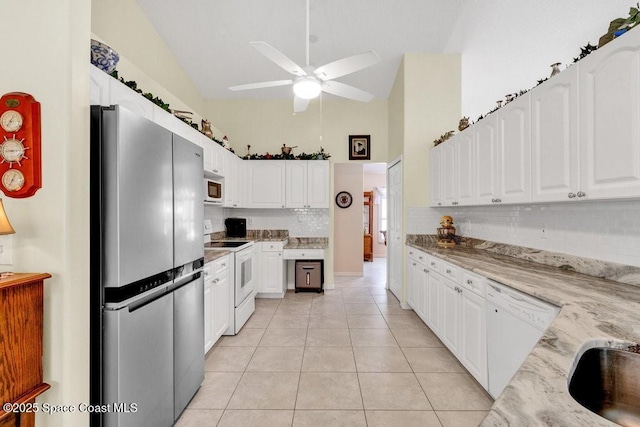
350	357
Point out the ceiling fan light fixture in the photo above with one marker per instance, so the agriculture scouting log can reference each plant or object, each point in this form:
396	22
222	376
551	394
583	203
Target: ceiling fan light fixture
307	88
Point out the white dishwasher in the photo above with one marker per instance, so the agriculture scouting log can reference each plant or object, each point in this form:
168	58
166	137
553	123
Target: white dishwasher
515	323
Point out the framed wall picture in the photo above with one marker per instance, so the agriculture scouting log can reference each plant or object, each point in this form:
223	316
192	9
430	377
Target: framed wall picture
359	147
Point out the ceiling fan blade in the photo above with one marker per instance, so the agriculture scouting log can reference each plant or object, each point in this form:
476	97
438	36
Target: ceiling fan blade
346	91
278	58
300	104
348	65
262	85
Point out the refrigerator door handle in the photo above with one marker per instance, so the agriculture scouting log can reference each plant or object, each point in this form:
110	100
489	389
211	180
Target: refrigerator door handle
144	302
188	279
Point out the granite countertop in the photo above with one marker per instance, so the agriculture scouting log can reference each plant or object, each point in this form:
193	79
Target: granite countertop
591	309
307	243
256	236
212	255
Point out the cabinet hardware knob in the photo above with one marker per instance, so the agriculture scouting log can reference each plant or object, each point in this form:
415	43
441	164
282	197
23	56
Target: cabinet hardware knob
425	270
439	204
433	264
499	200
493	200
414	264
581	194
469	282
448	271
223	264
572	195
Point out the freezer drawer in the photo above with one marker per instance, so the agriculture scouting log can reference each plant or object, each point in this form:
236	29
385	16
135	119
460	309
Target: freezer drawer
188	315
309	275
138	364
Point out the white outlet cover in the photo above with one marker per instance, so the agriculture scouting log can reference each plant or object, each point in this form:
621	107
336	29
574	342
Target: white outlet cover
208	228
6	250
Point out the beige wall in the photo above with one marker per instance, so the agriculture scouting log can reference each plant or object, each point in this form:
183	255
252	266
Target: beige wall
327	123
396	115
348	232
432	106
123	26
52	226
371	180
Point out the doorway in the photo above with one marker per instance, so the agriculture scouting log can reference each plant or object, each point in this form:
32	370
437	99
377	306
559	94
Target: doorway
374	220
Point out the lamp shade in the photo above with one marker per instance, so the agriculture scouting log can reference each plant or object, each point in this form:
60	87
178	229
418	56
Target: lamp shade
5	225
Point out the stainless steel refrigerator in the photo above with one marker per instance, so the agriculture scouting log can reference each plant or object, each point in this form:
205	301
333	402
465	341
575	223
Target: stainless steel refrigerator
147	299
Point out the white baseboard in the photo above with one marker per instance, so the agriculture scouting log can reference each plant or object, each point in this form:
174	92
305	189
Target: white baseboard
405	306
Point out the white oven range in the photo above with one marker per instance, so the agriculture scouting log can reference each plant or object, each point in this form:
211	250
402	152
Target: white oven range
243	254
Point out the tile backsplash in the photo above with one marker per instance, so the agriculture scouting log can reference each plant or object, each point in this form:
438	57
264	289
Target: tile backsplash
607	231
299	222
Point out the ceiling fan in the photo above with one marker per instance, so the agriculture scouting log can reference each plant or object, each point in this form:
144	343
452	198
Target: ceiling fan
309	82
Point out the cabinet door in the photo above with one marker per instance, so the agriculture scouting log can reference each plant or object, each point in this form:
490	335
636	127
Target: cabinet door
411	285
435	176
465	165
449	173
296	183
434	302
450	316
422	289
266	184
554	137
272	268
514	151
221	295
485	146
473	351
317	184
129	99
610	120
239	166
208	316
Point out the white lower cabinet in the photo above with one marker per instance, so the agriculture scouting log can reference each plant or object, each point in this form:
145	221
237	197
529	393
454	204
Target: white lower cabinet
217	300
450	300
271	283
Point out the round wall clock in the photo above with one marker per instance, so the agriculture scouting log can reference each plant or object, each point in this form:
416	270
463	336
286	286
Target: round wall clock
344	199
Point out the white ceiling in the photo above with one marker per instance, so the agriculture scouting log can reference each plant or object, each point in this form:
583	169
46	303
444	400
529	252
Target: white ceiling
506	45
210	38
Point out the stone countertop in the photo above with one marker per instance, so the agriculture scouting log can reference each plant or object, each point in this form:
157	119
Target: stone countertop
591	309
307	243
212	255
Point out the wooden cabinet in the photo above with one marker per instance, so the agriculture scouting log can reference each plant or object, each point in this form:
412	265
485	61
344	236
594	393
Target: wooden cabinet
368	225
266	184
21	322
307	183
271	261
218	300
609	84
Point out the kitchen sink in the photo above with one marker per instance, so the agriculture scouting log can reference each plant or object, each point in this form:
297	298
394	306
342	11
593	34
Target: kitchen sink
607	382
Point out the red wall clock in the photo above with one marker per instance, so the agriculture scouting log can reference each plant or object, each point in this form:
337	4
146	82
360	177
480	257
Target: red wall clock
20	156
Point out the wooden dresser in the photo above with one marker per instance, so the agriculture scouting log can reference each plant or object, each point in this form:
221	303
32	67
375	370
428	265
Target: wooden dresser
21	304
368	225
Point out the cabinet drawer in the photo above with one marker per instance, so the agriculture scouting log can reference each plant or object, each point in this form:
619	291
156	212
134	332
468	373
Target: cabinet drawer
216	267
417	255
473	283
450	271
434	263
272	246
304	254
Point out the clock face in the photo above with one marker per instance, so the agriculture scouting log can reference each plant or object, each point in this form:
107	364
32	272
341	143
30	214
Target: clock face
11	121
12	150
13	180
344	199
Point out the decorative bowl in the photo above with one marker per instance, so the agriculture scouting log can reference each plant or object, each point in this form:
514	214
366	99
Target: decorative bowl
103	57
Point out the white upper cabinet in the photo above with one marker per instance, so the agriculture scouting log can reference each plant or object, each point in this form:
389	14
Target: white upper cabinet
514	152
485	147
266	184
307	184
435	176
465	167
610	120
554	138
317	183
449	173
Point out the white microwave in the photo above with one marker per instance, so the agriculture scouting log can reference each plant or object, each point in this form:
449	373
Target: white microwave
212	191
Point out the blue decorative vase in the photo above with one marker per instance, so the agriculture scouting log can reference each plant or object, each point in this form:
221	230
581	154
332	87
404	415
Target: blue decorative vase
103	57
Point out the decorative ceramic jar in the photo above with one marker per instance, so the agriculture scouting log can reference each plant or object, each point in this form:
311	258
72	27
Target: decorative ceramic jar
103	57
